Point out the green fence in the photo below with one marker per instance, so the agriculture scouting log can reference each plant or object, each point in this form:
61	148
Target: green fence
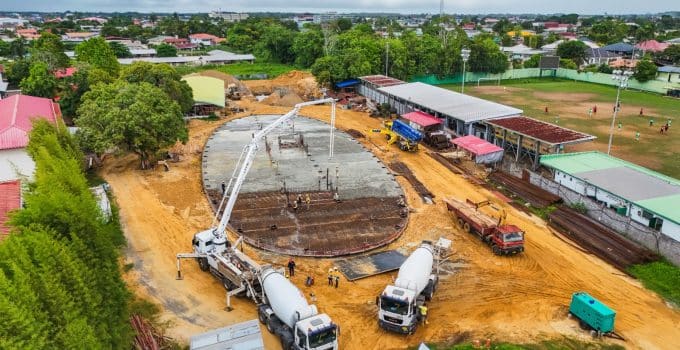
598	78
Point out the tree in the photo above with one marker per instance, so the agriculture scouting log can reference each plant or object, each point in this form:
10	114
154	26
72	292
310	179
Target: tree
39	82
307	47
503	26
17	48
567	63
574	50
4	49
17	71
166	50
532	62
671	54
275	44
645	70
120	50
98	54
50	50
344	24
608	31
162	76
486	57
645	32
138	118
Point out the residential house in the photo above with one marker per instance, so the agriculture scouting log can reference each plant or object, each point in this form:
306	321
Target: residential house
600	56
10	199
28	34
521	52
621	48
670	74
17	113
651	46
157	40
77	36
205	39
180	43
3	83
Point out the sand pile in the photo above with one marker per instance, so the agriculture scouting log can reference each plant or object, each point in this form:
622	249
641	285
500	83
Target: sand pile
283	97
302	83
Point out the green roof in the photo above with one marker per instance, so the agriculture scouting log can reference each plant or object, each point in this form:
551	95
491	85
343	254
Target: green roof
655	192
207	90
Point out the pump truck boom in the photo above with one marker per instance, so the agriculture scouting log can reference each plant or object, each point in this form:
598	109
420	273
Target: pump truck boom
298	325
398	305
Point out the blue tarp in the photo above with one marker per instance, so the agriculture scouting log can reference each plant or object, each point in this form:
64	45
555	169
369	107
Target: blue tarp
347	83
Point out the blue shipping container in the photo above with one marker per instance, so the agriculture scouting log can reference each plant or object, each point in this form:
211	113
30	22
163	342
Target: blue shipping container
406	131
591	311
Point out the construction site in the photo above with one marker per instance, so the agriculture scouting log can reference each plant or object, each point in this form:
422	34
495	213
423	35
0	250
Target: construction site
337	197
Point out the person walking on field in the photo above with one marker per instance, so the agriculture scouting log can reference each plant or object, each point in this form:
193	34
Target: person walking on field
330	277
291	267
595	109
337	276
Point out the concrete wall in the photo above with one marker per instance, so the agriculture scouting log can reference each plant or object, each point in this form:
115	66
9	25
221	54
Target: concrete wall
15	163
666	244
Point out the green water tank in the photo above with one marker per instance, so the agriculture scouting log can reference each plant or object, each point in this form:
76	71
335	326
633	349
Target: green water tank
591	311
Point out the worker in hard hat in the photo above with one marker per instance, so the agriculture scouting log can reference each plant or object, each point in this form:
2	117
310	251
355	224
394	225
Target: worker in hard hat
337	276
423	313
330	276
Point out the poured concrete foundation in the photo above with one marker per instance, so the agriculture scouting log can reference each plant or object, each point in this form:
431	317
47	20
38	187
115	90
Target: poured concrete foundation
294	163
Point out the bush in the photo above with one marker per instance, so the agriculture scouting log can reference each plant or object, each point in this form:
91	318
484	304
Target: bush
661	277
579	207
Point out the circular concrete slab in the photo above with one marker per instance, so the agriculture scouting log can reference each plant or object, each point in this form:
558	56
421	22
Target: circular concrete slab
287	202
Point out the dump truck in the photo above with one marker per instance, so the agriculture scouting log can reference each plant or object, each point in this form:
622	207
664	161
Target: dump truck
416	283
503	239
287	314
593	314
405	136
282	306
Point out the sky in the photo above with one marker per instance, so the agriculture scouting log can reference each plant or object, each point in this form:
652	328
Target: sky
401	6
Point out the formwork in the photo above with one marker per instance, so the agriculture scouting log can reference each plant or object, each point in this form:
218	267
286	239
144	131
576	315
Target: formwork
288	202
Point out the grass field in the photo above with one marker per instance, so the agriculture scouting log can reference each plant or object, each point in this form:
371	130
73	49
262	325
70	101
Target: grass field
568	103
242	69
661	277
556	344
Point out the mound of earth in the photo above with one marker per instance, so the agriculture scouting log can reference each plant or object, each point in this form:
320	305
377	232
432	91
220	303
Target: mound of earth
301	83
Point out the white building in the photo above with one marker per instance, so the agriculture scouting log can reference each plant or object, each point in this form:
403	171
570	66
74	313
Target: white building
643	195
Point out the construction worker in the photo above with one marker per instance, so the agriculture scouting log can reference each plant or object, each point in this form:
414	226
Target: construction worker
330	276
308	200
423	313
336	274
336	197
291	267
224	187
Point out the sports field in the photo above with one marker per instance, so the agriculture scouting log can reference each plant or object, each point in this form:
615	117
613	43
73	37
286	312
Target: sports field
568	104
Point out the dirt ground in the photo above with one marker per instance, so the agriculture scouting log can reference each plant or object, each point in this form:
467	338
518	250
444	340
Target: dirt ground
518	299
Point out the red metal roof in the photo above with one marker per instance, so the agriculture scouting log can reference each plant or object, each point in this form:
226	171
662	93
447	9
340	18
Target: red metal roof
381	80
422	119
476	145
652	45
10	199
541	131
66	72
16	115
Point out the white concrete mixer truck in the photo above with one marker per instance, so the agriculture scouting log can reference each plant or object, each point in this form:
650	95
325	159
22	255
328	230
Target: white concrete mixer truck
398	305
286	313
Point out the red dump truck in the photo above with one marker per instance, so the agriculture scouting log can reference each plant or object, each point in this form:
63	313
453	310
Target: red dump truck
503	239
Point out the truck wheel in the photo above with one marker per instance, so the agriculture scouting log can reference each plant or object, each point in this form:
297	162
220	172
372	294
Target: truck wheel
495	249
460	223
270	325
203	264
583	325
286	343
260	315
466	227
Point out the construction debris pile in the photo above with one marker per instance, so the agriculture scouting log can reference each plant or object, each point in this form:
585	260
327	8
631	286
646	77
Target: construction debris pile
599	239
403	170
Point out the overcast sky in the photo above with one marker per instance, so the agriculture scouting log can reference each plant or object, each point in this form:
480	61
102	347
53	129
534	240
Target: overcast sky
403	6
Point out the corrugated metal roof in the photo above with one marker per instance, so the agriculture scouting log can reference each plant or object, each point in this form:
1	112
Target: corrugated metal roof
645	188
463	107
10	199
421	118
16	115
241	336
540	130
207	89
669	69
476	145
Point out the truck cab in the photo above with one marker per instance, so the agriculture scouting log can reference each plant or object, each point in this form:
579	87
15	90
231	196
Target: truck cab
508	239
398	310
206	242
316	333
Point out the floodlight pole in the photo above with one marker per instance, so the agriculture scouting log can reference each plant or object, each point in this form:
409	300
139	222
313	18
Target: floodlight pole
621	77
465	55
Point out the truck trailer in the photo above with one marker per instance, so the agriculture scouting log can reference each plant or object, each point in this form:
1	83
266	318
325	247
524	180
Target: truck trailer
405	136
503	239
416	283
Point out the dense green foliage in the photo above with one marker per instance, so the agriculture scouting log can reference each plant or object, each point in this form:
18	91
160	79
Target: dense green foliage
555	344
608	31
671	54
120	50
49	49
135	117
661	277
40	82
97	53
60	285
18	70
166	50
162	76
574	50
645	70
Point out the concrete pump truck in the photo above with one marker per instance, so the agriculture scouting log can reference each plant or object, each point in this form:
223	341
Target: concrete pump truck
281	306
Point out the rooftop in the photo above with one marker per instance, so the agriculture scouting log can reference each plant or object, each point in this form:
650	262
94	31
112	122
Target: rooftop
10	199
460	106
421	118
16	115
541	131
381	80
644	187
476	145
